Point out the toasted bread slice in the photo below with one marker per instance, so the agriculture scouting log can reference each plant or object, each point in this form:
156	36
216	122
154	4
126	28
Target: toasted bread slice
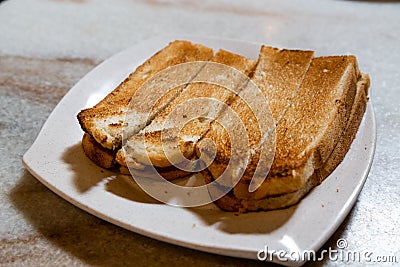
279	75
231	202
307	133
160	129
285	185
104	121
100	155
346	139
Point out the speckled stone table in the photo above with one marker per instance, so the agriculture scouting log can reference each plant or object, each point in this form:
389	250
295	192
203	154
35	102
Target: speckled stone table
47	46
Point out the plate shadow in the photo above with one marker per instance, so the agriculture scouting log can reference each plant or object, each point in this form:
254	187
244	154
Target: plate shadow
88	175
262	222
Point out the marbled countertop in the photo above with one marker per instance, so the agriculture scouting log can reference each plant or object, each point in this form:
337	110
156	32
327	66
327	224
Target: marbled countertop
47	46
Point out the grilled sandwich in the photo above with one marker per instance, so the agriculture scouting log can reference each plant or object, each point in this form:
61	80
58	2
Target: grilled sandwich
315	104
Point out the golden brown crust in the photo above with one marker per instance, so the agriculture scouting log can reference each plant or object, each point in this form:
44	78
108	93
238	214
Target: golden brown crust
151	134
278	74
311	127
112	109
103	157
308	132
346	139
231	202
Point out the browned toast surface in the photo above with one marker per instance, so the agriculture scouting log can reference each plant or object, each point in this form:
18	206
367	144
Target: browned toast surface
318	113
103	157
279	75
346	139
231	202
191	132
104	121
308	132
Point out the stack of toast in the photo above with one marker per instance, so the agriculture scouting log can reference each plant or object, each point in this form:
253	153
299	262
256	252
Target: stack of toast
316	104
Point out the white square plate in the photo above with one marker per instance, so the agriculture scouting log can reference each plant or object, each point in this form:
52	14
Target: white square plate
57	160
